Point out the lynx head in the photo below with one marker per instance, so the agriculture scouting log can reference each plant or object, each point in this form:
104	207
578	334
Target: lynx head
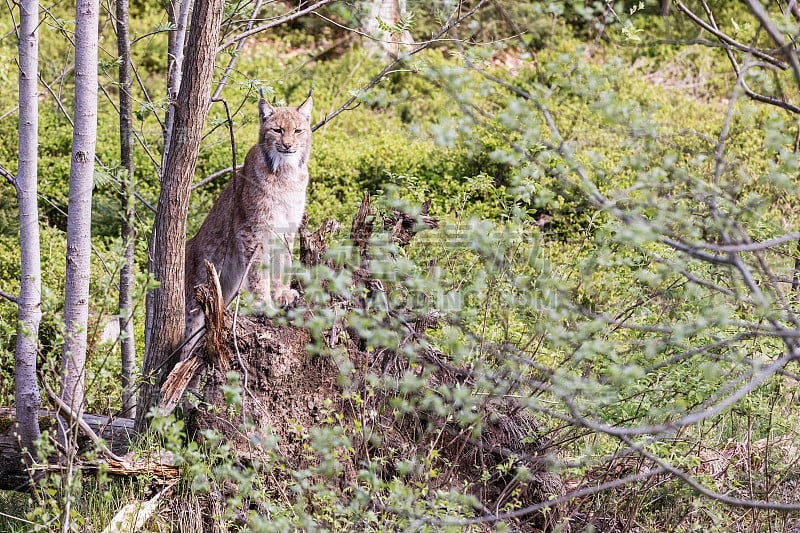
285	134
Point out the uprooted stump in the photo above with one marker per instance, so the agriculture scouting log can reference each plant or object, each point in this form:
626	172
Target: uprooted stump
286	392
283	387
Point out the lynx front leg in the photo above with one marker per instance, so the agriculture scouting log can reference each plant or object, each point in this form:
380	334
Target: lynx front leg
282	293
258	278
268	270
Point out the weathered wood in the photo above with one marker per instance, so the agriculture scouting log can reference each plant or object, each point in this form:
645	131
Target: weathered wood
314	246
403	226
216	352
213	305
361	229
178	381
116	432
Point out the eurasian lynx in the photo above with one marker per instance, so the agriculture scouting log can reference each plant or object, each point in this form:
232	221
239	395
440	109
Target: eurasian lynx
249	232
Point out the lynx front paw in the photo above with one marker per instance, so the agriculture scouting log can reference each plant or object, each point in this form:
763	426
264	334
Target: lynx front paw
286	297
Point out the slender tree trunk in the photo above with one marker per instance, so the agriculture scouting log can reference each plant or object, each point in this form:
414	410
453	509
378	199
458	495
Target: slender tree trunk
175	69
79	221
169	230
127	344
173	6
232	60
176	11
26	388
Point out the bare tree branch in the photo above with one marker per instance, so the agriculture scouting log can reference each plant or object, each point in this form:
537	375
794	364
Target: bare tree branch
14	23
455	18
212	177
138	136
240	43
58	78
749	246
65	409
9	176
692	482
786	48
232	139
740	72
730	41
66	114
8	296
271	24
579	493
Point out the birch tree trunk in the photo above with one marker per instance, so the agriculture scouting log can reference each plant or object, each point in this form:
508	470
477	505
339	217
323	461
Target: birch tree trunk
126	275
168	241
81	176
175	69
26	388
389	12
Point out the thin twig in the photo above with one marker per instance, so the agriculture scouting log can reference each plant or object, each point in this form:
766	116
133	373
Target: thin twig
787	48
741	79
224	80
8	175
580	493
214	176
233	140
692	482
14	23
271	24
66	114
452	22
730	41
65	409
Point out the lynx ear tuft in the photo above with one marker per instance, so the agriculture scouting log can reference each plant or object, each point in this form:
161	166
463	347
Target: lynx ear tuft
305	108
265	110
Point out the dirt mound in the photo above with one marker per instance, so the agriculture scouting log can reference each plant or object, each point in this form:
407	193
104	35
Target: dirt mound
286	392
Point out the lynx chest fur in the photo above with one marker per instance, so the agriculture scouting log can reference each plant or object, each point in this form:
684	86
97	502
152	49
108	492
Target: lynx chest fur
249	232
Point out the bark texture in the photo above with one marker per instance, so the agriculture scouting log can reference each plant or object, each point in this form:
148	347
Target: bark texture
126	275
79	222
26	388
175	67
169	232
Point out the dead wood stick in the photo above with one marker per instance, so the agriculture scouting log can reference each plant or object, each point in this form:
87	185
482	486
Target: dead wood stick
134	515
214	308
313	246
82	425
209	296
361	230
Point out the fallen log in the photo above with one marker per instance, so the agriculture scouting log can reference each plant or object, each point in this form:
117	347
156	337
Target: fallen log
116	432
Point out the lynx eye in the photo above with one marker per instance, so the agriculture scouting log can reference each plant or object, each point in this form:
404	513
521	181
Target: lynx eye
277	130
298	132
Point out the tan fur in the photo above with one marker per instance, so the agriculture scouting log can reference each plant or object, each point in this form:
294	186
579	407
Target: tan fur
249	232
